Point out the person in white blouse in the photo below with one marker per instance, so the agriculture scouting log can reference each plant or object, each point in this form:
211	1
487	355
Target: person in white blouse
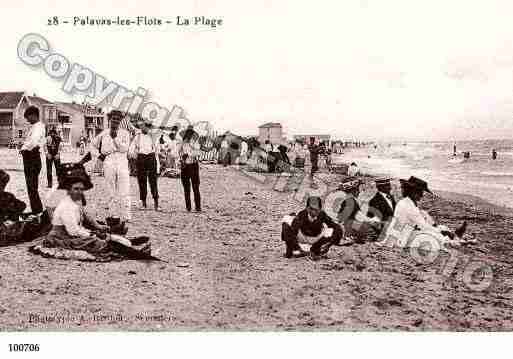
112	145
74	229
172	151
189	151
32	157
225	152
69	218
411	226
146	147
243	153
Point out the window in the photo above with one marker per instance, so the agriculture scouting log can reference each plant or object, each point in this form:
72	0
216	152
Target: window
20	133
65	135
5	119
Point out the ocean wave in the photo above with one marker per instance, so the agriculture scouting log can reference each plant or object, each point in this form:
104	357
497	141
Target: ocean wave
497	173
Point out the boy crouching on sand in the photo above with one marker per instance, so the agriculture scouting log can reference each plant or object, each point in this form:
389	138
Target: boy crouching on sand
313	226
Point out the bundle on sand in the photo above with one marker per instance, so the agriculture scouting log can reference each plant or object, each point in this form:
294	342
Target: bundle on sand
26	229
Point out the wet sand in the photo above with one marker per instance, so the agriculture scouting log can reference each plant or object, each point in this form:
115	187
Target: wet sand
226	271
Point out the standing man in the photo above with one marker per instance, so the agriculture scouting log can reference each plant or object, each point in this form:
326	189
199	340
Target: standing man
52	149
314	158
224	152
382	204
112	145
147	151
189	151
32	157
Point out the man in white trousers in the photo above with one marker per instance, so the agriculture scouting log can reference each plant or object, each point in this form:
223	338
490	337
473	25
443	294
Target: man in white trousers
112	145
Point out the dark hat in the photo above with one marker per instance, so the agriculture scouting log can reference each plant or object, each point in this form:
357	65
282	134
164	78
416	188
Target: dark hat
31	110
74	175
416	183
314	202
4	178
115	114
189	132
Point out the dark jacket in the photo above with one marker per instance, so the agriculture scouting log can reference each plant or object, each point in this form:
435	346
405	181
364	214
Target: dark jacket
10	207
311	229
348	210
379	207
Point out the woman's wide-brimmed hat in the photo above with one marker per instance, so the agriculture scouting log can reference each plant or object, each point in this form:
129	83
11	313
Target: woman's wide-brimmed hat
74	175
416	183
189	132
350	184
115	115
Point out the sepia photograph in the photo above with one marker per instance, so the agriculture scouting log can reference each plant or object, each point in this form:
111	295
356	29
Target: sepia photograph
296	168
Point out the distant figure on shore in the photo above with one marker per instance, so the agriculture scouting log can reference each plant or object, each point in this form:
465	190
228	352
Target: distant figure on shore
243	158
32	157
353	170
314	157
382	205
454	150
283	153
494	154
52	149
225	152
311	226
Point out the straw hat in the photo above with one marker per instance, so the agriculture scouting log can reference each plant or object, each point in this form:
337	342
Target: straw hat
351	184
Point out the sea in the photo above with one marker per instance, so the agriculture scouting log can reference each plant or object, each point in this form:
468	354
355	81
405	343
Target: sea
479	175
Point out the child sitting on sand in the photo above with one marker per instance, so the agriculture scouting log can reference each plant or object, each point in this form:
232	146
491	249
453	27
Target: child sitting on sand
311	226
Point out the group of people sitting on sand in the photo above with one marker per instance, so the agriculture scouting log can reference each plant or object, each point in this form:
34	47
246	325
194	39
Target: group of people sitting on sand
385	221
71	228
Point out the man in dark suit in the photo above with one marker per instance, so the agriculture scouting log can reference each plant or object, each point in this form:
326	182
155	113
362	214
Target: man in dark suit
382	205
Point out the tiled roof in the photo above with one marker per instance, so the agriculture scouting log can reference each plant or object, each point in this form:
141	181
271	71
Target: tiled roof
270	124
35	100
9	100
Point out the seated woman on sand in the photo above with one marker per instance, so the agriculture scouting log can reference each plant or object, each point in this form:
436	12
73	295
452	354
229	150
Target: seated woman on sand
70	220
356	223
410	222
11	208
15	225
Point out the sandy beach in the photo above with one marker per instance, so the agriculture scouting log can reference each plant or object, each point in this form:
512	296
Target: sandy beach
225	270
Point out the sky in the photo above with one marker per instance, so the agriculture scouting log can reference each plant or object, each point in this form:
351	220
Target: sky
356	69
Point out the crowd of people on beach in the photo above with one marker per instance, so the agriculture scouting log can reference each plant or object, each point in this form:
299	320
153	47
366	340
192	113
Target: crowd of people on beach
67	225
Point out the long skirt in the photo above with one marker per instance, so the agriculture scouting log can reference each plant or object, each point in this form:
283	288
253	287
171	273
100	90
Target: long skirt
59	238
